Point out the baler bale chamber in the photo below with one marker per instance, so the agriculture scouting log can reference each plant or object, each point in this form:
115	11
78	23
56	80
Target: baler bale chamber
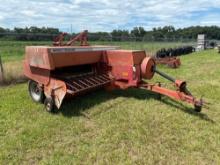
58	71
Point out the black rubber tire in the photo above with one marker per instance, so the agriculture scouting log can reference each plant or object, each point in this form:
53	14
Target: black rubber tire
35	92
49	105
197	108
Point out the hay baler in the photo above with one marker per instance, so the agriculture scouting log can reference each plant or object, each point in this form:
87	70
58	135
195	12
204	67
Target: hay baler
58	71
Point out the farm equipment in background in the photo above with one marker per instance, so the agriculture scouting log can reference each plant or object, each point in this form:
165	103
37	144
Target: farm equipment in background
169	56
61	70
172	62
82	37
173	52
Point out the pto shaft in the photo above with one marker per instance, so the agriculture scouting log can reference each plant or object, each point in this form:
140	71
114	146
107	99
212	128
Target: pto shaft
164	75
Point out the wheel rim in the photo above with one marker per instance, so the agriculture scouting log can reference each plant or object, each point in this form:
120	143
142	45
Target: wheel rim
48	106
35	91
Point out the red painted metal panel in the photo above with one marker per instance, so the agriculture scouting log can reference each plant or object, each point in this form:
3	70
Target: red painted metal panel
39	57
75	58
124	57
47	57
39	75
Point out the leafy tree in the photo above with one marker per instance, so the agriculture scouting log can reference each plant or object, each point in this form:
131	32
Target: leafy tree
137	33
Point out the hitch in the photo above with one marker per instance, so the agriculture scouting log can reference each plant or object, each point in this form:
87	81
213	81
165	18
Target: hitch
181	93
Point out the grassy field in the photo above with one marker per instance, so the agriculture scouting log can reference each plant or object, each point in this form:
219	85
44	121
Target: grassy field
120	127
14	50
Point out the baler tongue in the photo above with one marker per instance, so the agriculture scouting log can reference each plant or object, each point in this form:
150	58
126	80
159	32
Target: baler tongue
181	93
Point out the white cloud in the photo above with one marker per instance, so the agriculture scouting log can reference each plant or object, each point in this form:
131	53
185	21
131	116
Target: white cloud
105	15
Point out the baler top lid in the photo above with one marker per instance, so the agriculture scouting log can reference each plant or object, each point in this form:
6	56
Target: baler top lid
66	49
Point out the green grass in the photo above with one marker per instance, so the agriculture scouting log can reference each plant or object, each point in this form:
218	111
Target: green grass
120	127
14	50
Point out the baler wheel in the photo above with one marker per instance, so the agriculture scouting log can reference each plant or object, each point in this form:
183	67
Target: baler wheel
35	92
49	105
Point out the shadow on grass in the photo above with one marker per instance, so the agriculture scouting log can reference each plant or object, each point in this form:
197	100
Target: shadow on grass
185	109
77	106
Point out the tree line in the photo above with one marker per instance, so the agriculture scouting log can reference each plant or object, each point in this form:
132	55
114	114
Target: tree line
29	33
166	33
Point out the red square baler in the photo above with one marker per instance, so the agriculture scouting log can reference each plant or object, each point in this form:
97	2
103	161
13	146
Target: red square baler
57	71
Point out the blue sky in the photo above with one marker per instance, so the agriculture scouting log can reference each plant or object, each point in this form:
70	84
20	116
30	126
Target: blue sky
106	15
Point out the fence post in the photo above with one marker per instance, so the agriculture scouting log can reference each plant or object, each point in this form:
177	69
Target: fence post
1	71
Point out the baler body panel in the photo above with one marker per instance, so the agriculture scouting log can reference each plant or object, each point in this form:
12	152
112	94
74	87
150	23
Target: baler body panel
125	65
125	57
47	57
75	58
39	57
42	76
